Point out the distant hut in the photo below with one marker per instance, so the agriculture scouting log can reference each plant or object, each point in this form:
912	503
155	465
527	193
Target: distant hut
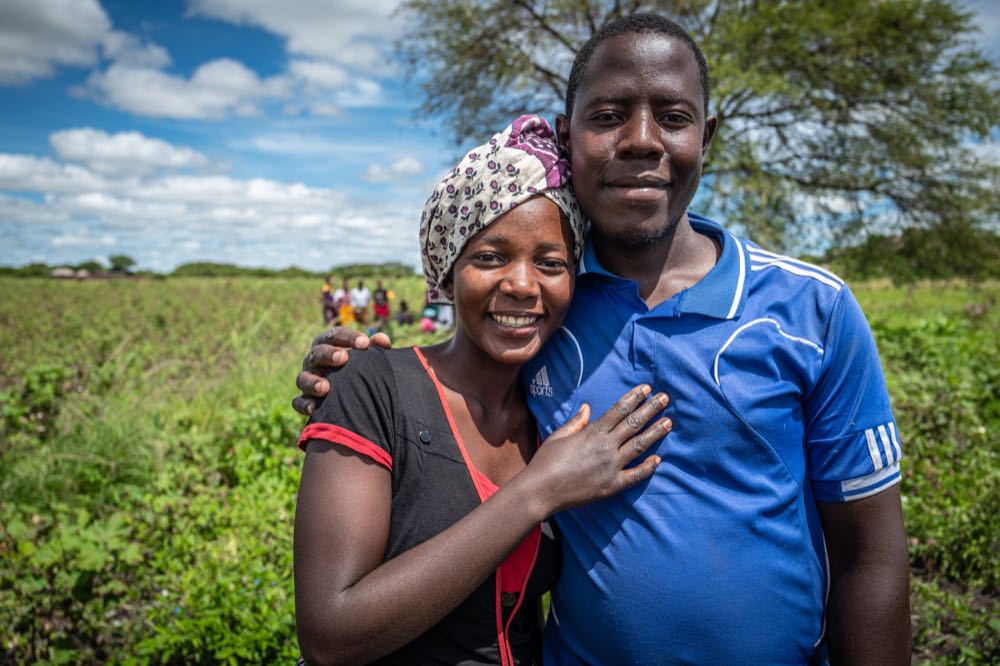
63	273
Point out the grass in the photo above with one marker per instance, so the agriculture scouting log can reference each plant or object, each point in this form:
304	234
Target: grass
148	468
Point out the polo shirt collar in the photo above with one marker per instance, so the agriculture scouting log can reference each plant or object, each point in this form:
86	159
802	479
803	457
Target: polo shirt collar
722	293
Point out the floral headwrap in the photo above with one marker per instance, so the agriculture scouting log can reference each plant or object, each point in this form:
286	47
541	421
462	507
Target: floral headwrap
520	162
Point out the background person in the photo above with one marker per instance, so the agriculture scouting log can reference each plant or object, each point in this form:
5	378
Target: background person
360	296
342	299
380	304
326	298
404	317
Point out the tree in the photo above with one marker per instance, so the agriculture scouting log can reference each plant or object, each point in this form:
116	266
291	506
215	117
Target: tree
91	265
836	116
121	263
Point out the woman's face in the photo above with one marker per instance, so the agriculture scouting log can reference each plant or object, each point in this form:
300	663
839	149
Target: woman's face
513	282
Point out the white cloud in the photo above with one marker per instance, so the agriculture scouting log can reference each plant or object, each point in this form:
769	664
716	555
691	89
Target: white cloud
351	32
27	173
165	218
122	152
302	144
217	89
124	48
361	93
319	75
80	240
37	35
137	82
988	151
401	168
25	212
337	45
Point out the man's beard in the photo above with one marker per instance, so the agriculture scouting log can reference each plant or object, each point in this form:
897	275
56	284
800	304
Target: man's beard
636	238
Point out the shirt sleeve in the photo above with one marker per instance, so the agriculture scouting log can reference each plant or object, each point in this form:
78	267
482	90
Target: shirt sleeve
358	411
851	437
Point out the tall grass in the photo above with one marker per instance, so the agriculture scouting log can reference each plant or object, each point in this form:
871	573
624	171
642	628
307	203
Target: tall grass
148	468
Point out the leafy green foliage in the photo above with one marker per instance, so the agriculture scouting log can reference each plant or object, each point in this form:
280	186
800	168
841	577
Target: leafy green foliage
942	359
121	263
148	469
939	252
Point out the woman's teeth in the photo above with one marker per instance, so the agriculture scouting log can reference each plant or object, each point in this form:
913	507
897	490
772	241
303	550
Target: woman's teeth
514	322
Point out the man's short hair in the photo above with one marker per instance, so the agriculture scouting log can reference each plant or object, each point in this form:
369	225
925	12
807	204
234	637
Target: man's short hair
633	24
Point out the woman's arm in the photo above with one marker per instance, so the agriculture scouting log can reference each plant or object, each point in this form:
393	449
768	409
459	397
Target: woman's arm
352	607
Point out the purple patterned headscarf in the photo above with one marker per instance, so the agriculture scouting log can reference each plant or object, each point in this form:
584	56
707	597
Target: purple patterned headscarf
520	162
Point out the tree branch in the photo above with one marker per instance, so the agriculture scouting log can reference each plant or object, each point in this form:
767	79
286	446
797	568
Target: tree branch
590	19
556	82
545	25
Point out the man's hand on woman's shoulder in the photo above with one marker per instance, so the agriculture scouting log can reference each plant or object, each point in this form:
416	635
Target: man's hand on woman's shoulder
329	351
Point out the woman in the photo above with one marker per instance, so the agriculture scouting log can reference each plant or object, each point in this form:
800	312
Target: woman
418	534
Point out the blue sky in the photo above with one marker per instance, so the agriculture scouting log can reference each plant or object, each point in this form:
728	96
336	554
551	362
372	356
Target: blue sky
256	132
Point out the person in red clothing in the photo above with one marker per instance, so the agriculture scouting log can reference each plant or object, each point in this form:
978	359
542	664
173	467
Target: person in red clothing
420	533
380	304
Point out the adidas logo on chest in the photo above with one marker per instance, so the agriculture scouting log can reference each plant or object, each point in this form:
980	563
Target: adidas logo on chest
539	385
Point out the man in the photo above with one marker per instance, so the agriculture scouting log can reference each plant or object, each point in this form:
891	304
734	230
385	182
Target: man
773	529
359	301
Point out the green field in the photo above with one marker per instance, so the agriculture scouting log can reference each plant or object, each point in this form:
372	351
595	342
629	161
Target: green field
148	467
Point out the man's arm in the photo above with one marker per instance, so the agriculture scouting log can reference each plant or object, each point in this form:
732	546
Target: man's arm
868	613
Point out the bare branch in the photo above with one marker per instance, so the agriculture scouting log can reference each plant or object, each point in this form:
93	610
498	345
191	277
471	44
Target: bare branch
556	82
545	25
591	23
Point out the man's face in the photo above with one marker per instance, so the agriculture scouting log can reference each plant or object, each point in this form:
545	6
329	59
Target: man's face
637	137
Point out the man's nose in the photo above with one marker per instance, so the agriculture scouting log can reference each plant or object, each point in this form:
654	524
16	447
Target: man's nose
641	136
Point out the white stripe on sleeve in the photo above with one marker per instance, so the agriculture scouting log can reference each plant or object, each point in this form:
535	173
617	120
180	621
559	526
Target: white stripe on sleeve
873	449
895	442
886	444
866	481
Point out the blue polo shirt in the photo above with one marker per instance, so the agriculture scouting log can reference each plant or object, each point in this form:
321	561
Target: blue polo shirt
778	401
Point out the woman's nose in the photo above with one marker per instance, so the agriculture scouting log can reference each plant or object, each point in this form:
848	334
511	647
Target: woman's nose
519	282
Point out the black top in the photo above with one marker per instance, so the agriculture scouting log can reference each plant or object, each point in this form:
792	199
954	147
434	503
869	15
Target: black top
388	406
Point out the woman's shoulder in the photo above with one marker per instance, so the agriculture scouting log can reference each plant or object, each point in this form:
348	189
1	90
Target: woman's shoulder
371	382
376	366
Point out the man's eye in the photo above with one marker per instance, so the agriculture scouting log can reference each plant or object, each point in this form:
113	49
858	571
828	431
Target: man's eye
605	117
675	119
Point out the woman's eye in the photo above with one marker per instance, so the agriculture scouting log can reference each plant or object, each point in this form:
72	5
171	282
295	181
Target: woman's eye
488	258
552	264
